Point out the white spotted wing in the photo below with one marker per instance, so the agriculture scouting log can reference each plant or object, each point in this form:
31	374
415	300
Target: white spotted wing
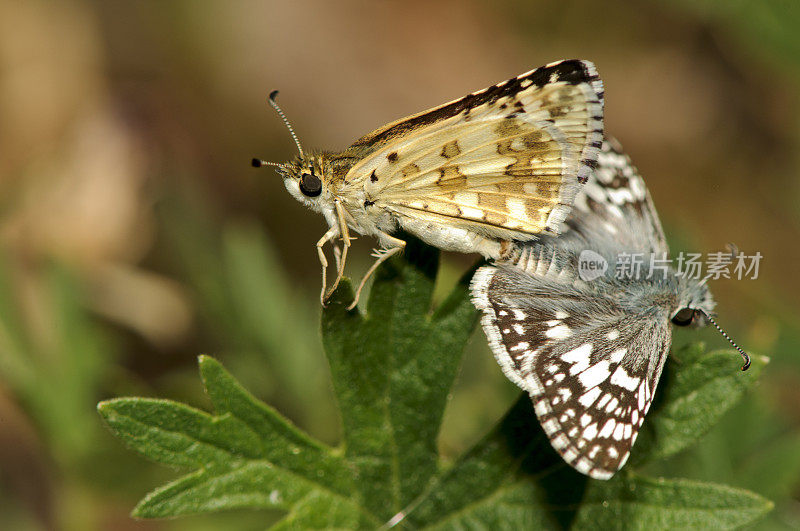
589	368
589	353
614	209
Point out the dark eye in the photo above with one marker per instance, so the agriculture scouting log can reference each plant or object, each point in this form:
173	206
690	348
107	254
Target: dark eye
310	184
684	317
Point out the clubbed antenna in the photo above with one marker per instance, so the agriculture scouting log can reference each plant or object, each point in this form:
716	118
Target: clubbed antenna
732	342
272	96
257	163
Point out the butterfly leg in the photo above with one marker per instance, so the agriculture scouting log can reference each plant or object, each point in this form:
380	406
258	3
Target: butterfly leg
346	239
328	236
337	256
392	246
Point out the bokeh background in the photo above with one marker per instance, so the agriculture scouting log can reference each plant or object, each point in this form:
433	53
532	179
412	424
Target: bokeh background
134	235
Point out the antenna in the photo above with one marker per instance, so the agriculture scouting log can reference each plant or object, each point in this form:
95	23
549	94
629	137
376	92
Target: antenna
257	163
272	96
732	342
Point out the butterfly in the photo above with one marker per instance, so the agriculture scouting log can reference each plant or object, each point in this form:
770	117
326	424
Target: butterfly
587	346
501	164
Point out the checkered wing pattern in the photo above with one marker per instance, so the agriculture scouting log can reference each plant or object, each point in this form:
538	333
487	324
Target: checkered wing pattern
614	210
590	369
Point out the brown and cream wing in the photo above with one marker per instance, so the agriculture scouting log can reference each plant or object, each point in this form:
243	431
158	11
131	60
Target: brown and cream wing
511	156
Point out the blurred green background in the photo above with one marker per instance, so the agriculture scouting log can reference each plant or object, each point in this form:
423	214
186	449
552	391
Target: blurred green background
135	236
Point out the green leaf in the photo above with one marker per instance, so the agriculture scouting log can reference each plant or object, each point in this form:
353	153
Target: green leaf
696	389
514	480
514	461
247	455
626	502
393	367
282	442
632	502
180	436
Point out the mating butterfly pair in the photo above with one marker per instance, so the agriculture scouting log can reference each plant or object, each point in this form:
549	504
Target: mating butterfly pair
519	172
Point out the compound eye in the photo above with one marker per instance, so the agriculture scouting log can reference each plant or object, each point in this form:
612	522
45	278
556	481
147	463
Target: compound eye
310	185
684	317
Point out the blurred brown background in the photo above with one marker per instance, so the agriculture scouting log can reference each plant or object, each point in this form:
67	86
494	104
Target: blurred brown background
135	236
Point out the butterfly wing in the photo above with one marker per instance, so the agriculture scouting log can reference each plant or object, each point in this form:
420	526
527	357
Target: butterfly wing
507	160
614	210
589	365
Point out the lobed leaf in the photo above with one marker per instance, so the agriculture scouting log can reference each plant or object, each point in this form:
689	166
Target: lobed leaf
633	502
246	455
696	389
393	367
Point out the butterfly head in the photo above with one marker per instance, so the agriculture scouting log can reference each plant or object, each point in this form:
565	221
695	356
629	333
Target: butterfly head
694	303
696	308
303	176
